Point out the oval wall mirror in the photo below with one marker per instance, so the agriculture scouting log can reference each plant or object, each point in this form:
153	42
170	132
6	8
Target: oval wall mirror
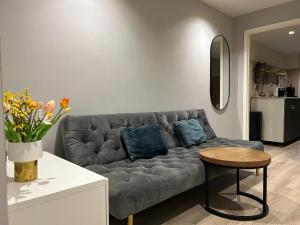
219	72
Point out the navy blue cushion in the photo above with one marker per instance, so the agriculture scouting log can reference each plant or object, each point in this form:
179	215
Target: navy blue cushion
189	132
144	142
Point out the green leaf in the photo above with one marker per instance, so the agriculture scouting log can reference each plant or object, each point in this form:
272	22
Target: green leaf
28	137
56	119
11	134
40	131
44	131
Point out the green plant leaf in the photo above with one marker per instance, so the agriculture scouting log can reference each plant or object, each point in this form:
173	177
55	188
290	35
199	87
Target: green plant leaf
56	119
10	133
44	131
40	131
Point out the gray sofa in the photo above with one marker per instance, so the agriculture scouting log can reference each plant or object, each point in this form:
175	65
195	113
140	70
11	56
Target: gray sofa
94	142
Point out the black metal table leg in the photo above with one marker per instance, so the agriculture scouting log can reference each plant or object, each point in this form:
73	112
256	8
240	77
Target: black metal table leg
262	201
206	186
265	190
237	181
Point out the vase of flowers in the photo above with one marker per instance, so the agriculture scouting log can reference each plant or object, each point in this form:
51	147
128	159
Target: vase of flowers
26	122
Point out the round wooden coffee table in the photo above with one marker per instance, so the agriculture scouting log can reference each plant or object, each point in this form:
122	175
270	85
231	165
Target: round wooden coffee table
236	158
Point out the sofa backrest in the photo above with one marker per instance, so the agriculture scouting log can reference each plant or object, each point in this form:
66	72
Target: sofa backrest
96	139
167	120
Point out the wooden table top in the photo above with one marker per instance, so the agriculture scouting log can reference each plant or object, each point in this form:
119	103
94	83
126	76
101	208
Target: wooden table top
236	157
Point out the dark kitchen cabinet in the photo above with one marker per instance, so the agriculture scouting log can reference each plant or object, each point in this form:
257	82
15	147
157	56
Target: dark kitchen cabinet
291	119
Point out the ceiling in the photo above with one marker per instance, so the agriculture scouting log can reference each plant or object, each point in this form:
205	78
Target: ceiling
235	8
280	41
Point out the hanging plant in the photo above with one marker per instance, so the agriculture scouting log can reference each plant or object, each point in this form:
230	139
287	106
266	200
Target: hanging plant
261	72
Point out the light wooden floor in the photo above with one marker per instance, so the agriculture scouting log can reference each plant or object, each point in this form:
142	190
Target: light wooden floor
283	196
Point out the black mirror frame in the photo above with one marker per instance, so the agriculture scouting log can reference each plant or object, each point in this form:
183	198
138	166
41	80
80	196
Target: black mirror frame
225	107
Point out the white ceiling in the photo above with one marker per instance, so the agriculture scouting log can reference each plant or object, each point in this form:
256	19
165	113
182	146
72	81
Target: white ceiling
235	8
280	41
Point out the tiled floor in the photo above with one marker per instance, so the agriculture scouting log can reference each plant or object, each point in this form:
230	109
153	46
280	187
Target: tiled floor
283	196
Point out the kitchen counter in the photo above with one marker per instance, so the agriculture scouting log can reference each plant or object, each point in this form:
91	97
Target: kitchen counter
280	117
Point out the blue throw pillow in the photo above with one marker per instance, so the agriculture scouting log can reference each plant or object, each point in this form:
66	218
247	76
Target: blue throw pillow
189	132
144	142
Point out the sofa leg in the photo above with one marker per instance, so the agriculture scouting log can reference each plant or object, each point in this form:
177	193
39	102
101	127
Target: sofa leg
257	172
130	220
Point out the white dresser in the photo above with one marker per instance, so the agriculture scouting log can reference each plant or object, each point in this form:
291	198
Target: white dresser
63	194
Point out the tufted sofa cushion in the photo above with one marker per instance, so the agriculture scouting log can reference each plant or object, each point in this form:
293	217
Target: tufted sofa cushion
217	142
90	140
95	139
167	120
134	186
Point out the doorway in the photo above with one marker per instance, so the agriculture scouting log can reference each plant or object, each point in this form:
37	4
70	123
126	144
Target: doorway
247	73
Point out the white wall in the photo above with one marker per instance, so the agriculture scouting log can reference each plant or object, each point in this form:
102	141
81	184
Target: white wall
112	56
3	184
291	61
263	17
293	78
261	53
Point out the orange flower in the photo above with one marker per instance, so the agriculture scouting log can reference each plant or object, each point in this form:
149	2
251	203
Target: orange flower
64	103
49	107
